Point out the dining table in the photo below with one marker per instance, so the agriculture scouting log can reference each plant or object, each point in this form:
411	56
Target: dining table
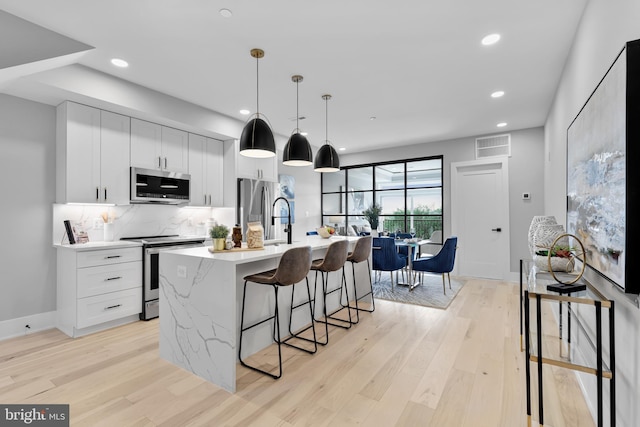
412	245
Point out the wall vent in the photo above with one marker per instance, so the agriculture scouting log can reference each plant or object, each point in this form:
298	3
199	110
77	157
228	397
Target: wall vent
493	146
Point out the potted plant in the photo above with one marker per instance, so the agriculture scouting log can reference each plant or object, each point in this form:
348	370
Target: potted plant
219	235
372	213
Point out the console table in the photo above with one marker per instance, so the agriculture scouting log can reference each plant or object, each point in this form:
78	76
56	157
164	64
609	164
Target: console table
533	291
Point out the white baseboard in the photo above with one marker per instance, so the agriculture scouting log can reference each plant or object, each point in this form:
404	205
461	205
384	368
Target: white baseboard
17	327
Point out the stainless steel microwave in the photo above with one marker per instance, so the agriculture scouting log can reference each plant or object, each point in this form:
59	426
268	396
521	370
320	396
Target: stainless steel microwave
162	187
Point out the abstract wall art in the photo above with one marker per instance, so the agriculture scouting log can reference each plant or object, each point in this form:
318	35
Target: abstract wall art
603	173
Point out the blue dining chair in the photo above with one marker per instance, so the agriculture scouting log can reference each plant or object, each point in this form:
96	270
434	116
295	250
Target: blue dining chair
440	263
385	257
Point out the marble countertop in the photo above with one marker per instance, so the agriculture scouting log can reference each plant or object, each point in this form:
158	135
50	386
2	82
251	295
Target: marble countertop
92	246
270	251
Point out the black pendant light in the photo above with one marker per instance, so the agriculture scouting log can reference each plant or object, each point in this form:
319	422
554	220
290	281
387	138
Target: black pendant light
297	152
327	157
257	139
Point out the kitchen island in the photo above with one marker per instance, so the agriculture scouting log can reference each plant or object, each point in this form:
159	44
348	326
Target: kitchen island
201	301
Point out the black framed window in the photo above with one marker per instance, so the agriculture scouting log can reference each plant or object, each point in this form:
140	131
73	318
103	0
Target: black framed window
408	191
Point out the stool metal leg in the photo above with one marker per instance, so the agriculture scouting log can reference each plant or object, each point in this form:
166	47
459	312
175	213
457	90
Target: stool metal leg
324	309
355	291
347	323
296	335
276	334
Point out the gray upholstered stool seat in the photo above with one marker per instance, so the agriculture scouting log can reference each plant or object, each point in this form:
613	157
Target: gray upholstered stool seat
361	253
263	278
293	268
334	260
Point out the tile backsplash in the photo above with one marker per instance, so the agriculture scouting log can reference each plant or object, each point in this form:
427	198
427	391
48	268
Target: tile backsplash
137	220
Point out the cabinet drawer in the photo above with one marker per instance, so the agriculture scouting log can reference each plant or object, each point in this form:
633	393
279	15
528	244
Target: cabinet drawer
108	256
109	278
111	306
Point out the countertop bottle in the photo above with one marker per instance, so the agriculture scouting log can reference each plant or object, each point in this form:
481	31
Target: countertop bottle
237	236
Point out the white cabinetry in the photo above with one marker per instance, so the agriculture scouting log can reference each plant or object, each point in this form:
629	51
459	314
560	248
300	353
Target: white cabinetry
265	169
92	155
158	147
98	289
205	168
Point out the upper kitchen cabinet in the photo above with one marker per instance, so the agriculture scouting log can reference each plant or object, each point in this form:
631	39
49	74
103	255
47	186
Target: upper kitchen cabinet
205	168
265	169
92	155
159	147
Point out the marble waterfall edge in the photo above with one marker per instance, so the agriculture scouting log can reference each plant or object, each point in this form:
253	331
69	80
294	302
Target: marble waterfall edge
190	338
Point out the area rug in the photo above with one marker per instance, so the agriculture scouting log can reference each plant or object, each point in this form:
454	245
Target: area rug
429	294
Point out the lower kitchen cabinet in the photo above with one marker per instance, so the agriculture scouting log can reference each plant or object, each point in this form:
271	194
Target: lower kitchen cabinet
98	287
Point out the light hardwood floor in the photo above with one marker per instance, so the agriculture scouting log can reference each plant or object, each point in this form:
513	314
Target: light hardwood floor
403	365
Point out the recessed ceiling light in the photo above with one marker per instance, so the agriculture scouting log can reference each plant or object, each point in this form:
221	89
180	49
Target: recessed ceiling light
119	62
501	125
372	118
226	13
490	39
497	94
341	148
244	112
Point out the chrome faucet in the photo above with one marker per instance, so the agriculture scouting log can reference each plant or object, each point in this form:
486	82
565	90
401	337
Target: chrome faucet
288	227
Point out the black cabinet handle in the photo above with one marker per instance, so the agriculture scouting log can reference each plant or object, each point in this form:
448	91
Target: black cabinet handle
112	256
113	278
113	306
497	229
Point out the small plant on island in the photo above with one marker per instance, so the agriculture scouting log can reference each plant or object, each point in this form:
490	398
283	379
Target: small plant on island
219	232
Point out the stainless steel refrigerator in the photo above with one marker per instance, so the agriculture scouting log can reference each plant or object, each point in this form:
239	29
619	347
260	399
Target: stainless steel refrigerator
254	203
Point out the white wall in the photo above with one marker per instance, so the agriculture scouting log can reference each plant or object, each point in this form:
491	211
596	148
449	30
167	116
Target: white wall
525	175
605	27
27	171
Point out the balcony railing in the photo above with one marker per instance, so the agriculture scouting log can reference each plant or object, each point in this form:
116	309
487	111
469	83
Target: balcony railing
424	226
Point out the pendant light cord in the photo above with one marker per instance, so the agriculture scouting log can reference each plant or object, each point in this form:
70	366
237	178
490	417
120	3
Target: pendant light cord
326	121
297	105
257	88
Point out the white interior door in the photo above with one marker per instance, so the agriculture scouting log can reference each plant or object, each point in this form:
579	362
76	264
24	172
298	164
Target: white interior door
480	217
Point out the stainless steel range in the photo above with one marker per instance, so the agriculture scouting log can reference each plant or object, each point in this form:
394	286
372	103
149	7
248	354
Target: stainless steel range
151	248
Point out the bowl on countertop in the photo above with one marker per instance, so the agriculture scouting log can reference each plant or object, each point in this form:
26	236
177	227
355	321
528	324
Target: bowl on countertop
324	232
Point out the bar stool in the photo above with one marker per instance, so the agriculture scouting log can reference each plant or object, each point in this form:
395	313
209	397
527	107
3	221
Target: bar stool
293	267
333	260
361	253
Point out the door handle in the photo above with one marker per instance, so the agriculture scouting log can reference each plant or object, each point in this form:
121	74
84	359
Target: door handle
497	229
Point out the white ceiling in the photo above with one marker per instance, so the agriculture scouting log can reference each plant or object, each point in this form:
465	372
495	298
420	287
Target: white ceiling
416	65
